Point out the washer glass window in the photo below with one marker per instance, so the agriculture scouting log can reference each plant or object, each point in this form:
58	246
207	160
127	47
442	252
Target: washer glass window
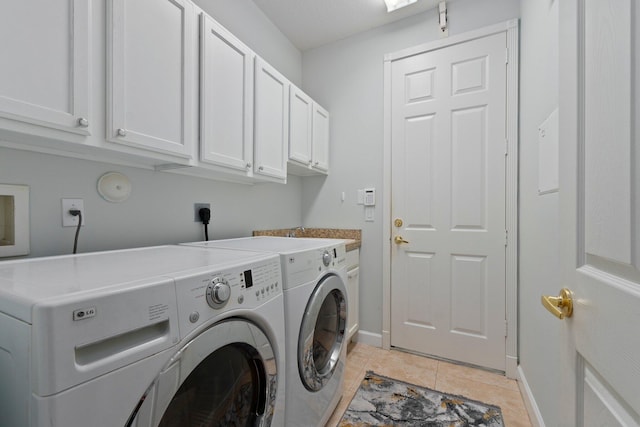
322	333
223	390
230	379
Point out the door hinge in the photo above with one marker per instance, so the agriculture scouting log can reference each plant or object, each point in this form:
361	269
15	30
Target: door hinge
506	147
506	237
506	329
506	56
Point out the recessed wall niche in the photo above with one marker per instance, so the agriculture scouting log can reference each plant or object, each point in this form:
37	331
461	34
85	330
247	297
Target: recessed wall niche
14	220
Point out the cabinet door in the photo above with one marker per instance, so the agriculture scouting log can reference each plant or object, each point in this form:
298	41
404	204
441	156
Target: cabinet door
226	98
353	295
44	77
300	130
271	138
320	138
150	86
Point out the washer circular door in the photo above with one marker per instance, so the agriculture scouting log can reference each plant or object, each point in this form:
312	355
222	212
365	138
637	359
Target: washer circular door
322	333
227	375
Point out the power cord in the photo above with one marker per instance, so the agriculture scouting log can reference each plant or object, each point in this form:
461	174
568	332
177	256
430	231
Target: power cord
78	213
205	217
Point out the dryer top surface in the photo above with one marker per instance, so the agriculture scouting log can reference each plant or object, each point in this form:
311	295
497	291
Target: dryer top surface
281	245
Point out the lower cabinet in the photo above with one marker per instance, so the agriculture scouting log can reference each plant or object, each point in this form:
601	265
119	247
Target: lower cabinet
353	292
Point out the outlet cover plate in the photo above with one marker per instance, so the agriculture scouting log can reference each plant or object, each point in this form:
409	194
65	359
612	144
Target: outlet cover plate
69	220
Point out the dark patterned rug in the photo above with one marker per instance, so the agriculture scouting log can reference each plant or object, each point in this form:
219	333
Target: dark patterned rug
382	401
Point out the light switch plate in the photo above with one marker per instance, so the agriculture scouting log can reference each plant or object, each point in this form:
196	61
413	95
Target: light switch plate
369	213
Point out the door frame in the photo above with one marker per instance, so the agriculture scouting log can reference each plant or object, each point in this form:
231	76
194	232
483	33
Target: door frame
511	29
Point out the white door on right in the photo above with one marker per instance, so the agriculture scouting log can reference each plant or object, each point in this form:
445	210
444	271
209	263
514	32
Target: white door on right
448	121
600	212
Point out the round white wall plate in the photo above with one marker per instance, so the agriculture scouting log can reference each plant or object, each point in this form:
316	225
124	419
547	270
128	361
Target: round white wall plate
114	187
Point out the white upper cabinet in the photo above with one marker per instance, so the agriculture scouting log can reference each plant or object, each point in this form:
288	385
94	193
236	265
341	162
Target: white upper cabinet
300	128
44	76
308	135
271	122
320	138
226	99
151	59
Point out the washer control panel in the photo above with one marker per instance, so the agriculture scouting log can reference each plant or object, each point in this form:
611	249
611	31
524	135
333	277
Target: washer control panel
204	296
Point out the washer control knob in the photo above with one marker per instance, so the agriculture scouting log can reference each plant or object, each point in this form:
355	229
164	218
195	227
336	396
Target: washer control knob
218	292
326	258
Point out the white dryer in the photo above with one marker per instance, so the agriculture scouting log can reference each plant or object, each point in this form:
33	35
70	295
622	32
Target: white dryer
315	297
163	336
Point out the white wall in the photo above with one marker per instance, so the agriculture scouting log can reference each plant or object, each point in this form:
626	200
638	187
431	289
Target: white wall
539	215
247	22
346	77
160	209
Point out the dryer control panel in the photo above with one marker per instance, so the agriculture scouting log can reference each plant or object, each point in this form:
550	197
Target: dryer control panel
303	267
221	293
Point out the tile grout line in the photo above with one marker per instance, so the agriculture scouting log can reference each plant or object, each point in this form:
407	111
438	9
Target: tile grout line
435	384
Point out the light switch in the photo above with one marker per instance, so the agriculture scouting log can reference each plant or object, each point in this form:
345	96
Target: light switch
369	213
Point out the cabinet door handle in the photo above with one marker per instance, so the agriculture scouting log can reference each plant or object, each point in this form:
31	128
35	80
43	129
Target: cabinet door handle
261	168
121	132
248	165
82	122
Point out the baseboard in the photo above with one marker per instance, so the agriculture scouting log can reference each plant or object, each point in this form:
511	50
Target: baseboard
511	370
369	338
529	401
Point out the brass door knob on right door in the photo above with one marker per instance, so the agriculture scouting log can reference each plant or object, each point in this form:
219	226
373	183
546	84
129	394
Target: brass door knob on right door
399	240
560	306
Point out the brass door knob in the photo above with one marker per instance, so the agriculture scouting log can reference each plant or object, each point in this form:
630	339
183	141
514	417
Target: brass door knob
399	240
560	306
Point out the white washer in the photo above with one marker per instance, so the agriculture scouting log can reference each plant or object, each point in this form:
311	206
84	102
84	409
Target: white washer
315	298
161	336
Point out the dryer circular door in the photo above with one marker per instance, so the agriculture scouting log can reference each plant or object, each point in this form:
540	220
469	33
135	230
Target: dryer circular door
322	333
227	375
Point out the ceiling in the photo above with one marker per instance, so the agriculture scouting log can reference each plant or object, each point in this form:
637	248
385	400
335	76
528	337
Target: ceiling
312	23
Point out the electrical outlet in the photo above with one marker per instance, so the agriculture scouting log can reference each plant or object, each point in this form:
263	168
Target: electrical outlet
196	209
69	220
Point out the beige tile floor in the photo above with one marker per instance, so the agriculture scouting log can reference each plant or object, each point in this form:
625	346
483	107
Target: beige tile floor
473	383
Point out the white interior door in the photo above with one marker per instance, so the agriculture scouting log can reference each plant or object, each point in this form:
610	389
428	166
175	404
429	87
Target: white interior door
448	121
600	211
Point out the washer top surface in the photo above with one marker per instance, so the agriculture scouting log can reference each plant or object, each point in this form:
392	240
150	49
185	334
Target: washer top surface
27	282
281	245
